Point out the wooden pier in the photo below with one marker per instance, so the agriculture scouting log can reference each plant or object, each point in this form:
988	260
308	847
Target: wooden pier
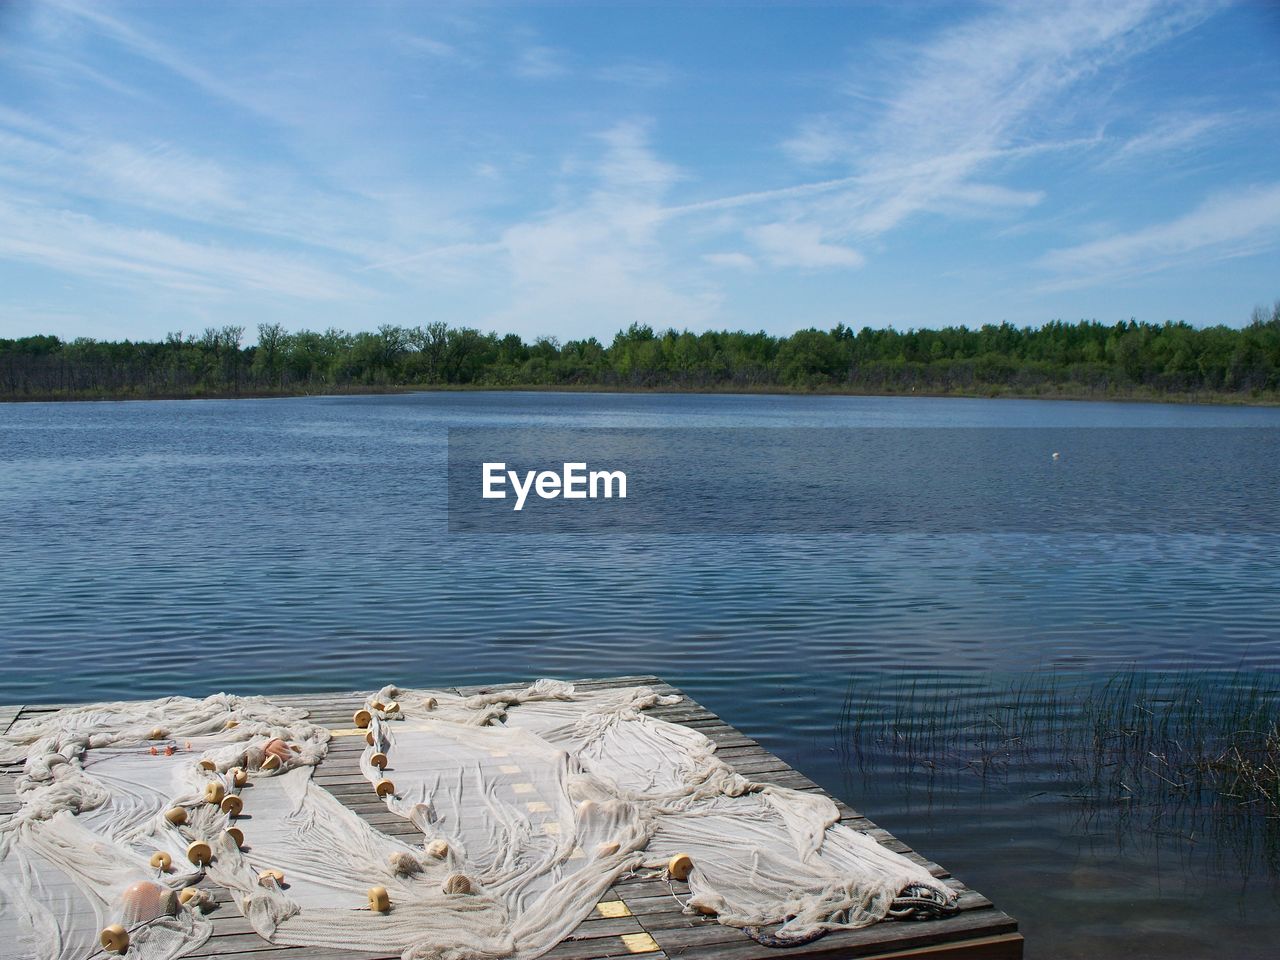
637	917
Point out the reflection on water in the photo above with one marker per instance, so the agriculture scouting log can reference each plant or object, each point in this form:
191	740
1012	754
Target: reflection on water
291	545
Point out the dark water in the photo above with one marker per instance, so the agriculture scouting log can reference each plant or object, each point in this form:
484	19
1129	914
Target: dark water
302	544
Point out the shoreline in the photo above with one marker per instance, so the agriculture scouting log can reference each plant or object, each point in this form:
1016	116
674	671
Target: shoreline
1079	396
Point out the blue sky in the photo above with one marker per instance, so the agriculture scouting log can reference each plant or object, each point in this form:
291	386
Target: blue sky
568	169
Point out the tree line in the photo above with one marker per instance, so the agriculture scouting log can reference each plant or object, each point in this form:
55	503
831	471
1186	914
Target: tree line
1057	359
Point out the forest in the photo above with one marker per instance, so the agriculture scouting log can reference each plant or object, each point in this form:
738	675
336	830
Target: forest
1086	359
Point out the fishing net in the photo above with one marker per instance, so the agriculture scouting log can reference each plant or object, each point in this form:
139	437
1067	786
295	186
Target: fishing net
530	803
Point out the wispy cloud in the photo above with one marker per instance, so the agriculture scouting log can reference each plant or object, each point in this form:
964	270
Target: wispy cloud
1172	134
801	245
341	168
430	46
142	45
539	62
641	74
1226	225
600	254
981	89
80	244
735	260
963	109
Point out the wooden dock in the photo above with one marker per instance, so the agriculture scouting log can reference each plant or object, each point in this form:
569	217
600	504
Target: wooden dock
637	917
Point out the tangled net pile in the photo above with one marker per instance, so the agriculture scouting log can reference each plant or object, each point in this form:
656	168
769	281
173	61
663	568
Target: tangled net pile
530	802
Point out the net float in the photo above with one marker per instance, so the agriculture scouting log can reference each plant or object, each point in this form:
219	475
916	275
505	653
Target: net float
208	765
268	877
271	763
362	718
379	760
384	787
232	804
392	708
236	835
187	895
232	724
438	849
114	939
157	734
275	747
378	705
161	860
429	703
239	776
679	866
379	899
457	883
368	738
295	748
214	792
145	901
199	853
176	816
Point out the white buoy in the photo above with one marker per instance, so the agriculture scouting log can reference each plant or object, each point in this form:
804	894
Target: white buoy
1056	455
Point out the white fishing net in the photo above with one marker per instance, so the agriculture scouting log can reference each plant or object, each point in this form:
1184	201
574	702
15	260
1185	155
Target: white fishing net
531	803
90	857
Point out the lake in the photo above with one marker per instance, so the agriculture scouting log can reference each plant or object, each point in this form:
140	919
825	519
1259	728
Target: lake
303	544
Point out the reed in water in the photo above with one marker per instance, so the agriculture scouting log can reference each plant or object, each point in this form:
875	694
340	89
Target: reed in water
1189	756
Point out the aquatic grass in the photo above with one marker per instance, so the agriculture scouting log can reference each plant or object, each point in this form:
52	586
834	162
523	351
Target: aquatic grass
1193	756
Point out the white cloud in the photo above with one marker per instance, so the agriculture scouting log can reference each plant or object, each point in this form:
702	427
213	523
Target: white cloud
1170	135
539	63
596	261
158	53
967	104
1233	224
160	176
431	47
80	244
640	74
819	140
801	245
734	260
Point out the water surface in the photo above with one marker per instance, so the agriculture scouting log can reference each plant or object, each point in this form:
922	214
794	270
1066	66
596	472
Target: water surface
301	544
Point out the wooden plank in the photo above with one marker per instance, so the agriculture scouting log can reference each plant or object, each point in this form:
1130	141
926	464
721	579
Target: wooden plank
731	944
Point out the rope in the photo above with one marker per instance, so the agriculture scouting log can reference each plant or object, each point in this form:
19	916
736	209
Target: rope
915	902
778	940
918	902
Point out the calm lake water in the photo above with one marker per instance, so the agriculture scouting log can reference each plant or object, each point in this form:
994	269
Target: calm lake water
302	544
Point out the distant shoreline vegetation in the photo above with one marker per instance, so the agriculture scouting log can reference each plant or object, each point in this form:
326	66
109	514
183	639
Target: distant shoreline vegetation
1086	360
